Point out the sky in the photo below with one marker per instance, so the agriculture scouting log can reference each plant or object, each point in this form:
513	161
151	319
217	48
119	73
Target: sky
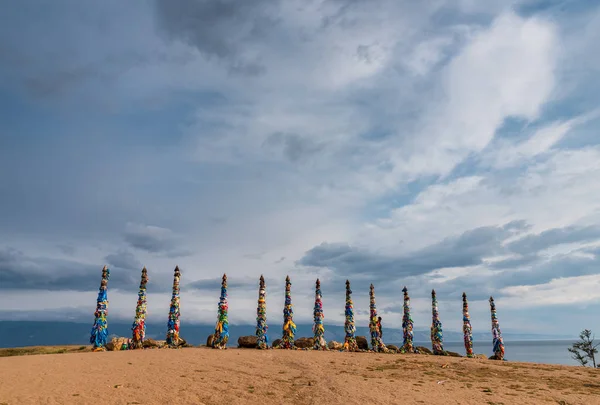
447	145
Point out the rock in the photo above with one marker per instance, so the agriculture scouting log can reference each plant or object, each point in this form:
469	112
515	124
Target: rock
362	342
453	354
304	343
149	343
210	339
276	342
393	348
493	357
481	356
116	343
183	343
248	342
161	343
333	345
423	350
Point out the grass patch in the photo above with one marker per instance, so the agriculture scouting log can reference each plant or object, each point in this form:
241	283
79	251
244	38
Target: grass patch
35	350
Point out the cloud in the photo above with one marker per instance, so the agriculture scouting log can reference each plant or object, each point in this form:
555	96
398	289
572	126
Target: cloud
506	153
214	284
220	29
535	243
466	262
294	147
467	249
123	259
22	272
428	144
154	239
560	291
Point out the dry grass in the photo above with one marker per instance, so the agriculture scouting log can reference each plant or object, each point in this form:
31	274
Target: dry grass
32	350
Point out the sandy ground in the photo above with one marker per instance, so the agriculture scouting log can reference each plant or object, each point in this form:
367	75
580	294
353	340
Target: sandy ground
245	376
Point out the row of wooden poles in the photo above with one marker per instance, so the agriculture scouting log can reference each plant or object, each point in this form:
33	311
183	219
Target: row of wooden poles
99	333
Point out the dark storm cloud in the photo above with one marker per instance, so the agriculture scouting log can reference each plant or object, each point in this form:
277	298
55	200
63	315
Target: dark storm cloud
21	272
220	28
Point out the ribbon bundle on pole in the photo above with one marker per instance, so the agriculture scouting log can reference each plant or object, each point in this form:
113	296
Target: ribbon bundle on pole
318	328
407	325
350	344
289	328
261	316
222	327
437	337
467	331
174	313
497	335
99	333
376	342
139	323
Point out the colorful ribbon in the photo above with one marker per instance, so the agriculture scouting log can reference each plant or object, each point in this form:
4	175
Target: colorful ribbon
318	328
221	335
407	326
467	330
99	333
139	323
374	327
289	327
261	316
437	337
350	344
174	313
498	342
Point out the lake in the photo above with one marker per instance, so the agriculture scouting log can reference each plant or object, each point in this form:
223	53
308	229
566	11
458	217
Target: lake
536	351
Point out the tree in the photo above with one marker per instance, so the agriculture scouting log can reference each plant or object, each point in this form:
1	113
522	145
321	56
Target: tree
585	350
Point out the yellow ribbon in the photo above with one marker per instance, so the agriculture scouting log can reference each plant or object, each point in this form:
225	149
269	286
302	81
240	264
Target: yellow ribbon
288	325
